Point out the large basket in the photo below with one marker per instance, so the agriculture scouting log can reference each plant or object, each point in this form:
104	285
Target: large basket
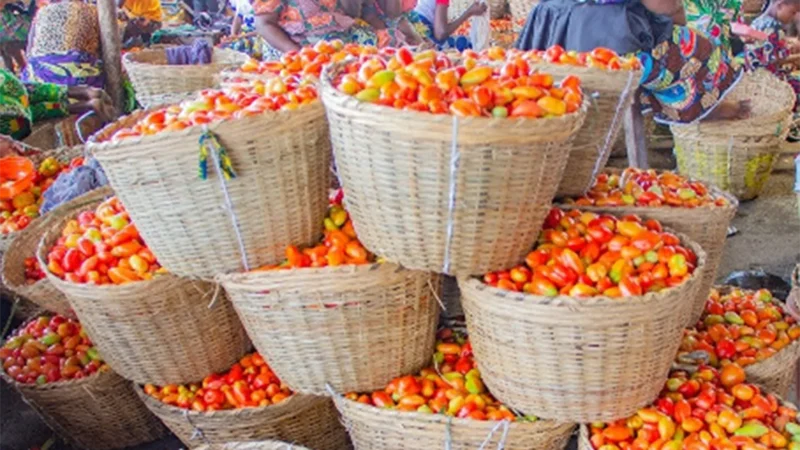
738	155
163	331
577	360
97	412
752	6
497	8
521	8
707	225
374	428
593	143
307	420
157	83
26	243
351	327
279	195
256	445
441	193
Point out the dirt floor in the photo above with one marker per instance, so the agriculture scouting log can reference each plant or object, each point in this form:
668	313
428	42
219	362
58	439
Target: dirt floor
768	238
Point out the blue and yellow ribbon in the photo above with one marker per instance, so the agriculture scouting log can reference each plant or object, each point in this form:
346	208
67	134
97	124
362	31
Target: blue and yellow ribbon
209	143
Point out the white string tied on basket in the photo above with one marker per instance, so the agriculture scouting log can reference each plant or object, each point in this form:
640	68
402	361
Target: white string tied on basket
617	113
214	151
196	432
500	445
448	434
455	159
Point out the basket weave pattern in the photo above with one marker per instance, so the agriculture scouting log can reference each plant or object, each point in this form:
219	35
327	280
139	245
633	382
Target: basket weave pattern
305	419
353	327
521	8
279	195
408	203
577	360
256	445
374	428
157	83
161	331
97	412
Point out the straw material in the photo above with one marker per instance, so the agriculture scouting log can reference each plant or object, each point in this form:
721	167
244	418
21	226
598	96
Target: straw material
497	8
163	331
352	327
97	412
157	83
303	419
374	428
451	298
521	8
279	195
614	91
259	445
706	225
426	202
752	6
577	360
25	245
738	155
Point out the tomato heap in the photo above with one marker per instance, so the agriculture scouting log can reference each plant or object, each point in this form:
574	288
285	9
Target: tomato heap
430	82
102	247
637	187
601	58
249	383
741	326
16	214
583	254
33	271
49	349
708	410
339	246
452	386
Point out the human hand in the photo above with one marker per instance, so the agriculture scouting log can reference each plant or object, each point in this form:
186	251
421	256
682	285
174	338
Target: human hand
477	9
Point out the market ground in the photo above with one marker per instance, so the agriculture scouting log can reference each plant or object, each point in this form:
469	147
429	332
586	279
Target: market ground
768	239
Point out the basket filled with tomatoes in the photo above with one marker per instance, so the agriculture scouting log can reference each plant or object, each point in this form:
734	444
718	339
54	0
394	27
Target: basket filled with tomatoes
465	161
150	326
335	315
255	445
57	369
445	405
248	402
752	329
261	183
158	83
707	409
584	334
692	207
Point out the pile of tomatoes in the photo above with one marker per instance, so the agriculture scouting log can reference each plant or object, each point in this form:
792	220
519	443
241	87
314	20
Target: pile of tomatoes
709	410
50	349
102	247
16	214
249	383
582	254
601	58
452	386
638	187
339	246
741	326
33	271
431	82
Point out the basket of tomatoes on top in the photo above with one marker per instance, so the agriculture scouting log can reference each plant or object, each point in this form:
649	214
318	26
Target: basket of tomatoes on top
441	159
752	329
317	316
689	206
136	312
56	368
247	402
264	153
444	405
612	80
588	325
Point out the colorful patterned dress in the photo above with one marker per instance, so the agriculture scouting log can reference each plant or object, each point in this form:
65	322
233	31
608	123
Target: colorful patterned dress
421	18
22	104
713	18
14	25
768	54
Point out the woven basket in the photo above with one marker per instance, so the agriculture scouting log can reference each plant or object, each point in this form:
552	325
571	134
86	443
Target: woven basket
97	412
497	8
257	445
738	155
279	195
577	360
426	202
706	225
374	428
351	327
307	420
521	8
157	83
752	6
42	292
163	331
593	143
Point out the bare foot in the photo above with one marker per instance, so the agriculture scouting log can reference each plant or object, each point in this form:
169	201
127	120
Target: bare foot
729	110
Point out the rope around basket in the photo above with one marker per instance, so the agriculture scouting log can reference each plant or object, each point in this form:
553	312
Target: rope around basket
614	121
196	432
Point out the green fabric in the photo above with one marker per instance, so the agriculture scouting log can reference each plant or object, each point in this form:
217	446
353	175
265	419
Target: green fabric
22	104
713	18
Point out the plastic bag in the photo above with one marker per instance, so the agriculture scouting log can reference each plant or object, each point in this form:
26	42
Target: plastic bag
480	30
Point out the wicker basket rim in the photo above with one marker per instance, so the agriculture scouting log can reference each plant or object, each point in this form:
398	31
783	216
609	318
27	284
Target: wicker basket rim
597	301
244	280
134	57
733	204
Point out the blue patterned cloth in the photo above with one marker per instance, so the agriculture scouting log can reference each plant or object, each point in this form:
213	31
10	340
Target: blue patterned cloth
424	28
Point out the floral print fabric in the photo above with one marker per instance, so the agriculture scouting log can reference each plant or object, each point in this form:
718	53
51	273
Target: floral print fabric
770	53
713	18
